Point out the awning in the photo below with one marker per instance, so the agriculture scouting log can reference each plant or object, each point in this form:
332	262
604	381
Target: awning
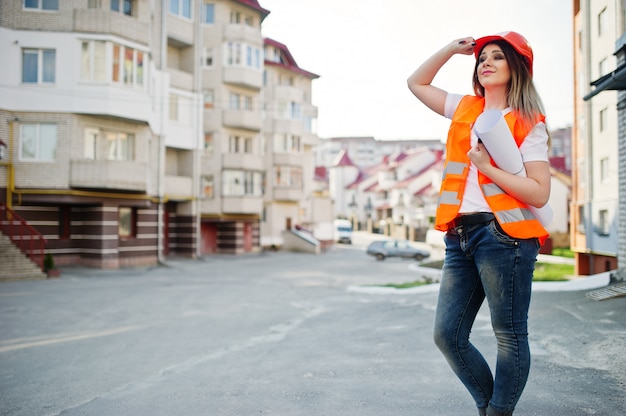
616	80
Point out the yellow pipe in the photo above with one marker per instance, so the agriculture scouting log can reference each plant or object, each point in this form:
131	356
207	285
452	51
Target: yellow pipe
74	192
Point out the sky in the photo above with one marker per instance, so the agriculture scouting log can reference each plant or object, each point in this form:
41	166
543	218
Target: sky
364	51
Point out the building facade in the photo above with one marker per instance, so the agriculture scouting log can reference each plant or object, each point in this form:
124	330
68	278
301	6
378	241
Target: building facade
598	24
133	130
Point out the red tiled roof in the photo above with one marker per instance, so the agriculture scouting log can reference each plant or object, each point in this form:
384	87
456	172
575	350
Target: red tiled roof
287	61
254	4
343	159
321	174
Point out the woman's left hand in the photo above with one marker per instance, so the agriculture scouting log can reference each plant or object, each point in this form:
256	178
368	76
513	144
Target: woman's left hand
479	156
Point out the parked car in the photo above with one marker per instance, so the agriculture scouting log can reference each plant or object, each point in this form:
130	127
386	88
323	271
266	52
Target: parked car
396	248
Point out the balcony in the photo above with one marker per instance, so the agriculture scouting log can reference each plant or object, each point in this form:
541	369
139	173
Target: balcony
111	23
287	194
179	31
243	33
288	93
243	77
242	205
211	119
109	174
290	126
288	159
178	188
242	119
242	161
181	79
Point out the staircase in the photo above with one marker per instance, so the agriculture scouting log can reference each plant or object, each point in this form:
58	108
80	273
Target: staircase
14	265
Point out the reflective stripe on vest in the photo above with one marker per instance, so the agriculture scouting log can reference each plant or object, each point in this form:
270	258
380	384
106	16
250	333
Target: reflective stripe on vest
455	168
514	215
449	198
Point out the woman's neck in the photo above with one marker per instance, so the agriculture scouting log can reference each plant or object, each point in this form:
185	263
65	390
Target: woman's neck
496	100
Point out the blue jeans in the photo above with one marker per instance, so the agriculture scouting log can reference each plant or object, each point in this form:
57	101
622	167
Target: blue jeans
481	262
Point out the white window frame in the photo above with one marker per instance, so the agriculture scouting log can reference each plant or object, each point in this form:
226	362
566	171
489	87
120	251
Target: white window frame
205	7
94	66
41	55
90	149
38	141
120	146
40	5
180	6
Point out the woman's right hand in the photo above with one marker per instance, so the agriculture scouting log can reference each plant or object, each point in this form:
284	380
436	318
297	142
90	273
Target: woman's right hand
464	46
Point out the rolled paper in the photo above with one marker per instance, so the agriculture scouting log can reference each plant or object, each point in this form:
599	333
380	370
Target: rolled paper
494	132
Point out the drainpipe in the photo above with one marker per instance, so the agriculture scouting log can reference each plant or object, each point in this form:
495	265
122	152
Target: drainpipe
161	141
197	152
589	236
9	164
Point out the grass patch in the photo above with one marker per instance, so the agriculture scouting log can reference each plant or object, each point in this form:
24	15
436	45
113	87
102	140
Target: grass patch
405	285
549	272
544	272
563	252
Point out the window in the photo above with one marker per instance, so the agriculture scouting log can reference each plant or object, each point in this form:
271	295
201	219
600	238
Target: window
93	61
602	22
38	142
295	111
247	145
91	140
173	107
288	176
604	119
207	186
208	144
127	222
235	17
122	6
581	220
247	103
286	143
233	101
41	4
208	13
180	8
604	225
603	67
128	65
233	144
120	146
207	57
242	183
604	169
233	52
208	98
249	20
38	66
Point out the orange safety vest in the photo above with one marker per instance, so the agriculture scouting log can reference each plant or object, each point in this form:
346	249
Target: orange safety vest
514	216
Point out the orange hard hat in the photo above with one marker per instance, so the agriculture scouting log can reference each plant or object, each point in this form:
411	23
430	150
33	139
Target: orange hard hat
517	41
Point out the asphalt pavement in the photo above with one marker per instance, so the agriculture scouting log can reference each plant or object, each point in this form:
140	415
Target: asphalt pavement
283	334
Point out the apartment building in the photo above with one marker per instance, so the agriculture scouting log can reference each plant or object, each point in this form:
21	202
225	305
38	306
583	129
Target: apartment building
289	142
598	26
133	130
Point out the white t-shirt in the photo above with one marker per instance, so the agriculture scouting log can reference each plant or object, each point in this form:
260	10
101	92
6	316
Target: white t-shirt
534	148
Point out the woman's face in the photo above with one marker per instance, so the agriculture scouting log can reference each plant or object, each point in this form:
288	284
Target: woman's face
493	68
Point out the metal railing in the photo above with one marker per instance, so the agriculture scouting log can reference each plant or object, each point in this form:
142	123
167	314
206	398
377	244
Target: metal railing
23	235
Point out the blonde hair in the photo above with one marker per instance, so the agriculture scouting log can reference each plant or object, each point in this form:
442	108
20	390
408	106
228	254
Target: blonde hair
522	96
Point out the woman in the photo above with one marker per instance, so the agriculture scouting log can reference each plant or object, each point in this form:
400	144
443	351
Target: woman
492	239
